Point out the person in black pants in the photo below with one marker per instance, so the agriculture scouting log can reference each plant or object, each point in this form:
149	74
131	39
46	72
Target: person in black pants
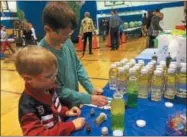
114	24
87	28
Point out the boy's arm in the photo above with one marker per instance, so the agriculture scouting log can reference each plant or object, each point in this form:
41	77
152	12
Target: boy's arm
32	126
71	97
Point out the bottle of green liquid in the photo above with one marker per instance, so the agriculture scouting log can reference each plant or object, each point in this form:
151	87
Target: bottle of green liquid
132	92
168	60
154	57
117	112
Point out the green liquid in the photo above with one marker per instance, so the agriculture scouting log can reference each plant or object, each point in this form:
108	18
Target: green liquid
117	114
117	122
132	99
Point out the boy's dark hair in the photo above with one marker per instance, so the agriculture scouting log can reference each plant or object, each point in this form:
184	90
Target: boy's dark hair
144	14
58	15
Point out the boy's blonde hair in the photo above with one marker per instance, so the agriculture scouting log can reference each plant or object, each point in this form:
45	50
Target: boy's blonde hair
33	60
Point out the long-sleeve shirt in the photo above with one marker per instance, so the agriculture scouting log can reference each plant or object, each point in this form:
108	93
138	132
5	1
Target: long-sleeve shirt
115	21
70	72
87	25
41	114
154	26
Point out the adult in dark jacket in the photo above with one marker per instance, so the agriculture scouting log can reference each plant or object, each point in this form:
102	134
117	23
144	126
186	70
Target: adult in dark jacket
154	28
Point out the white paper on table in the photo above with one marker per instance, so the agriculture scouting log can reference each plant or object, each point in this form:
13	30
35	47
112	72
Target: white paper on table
181	51
162	52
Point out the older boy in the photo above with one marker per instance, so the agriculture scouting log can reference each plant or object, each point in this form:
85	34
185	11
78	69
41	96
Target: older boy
59	22
40	112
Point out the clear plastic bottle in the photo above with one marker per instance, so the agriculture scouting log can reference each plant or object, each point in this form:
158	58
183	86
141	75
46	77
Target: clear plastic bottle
168	60
173	66
118	64
121	79
132	90
157	86
124	61
142	63
126	71
117	112
113	73
143	84
181	84
171	84
150	75
154	57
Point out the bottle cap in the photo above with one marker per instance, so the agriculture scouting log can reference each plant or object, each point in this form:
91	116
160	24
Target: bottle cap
157	72
183	70
104	130
174	66
171	70
169	104
126	67
117	133
133	61
154	62
163	63
160	69
117	63
140	123
125	60
120	69
113	66
132	70
144	71
183	65
137	67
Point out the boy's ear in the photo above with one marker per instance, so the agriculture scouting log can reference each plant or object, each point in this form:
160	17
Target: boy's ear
47	28
27	78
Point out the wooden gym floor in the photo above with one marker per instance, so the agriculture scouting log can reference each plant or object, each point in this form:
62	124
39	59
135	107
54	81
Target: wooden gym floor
97	66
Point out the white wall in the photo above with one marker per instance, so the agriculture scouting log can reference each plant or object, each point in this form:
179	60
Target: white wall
172	16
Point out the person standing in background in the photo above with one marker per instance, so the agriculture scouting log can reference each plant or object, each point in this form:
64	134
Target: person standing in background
4	40
104	28
144	25
154	27
115	22
33	32
86	29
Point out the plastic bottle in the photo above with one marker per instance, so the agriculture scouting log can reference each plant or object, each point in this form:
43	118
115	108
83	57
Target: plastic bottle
154	57
168	60
117	112
143	84
157	86
181	84
113	73
141	62
132	90
126	71
121	79
171	84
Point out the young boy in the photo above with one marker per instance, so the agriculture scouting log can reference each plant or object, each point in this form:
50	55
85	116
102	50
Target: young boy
40	111
59	22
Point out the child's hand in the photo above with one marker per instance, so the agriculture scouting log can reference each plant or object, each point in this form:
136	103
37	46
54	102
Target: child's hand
79	123
97	91
98	100
74	111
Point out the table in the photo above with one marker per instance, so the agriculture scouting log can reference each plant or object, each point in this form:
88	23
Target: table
154	113
132	33
146	55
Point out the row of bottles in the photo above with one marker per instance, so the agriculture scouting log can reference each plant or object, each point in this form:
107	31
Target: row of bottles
152	79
